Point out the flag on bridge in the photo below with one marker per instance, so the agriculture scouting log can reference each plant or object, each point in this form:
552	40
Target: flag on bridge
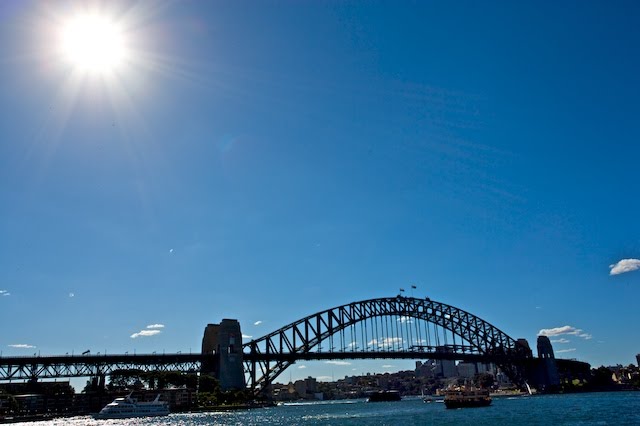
413	287
402	289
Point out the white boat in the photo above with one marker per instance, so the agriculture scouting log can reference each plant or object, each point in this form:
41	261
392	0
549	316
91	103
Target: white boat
127	407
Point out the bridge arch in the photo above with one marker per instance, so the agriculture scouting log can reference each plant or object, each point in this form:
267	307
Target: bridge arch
386	328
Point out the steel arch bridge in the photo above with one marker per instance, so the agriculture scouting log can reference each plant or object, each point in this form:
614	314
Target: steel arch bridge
391	327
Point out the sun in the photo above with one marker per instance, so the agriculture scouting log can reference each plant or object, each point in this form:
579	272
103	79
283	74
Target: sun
92	43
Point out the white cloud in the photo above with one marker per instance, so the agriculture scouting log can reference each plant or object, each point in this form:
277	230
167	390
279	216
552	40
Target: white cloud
624	265
145	333
388	366
324	378
257	323
4	293
245	336
302	366
561	340
155	326
566	329
21	346
405	319
71	294
565	350
386	341
338	362
170	250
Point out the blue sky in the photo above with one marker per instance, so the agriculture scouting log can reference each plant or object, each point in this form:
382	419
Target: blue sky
267	160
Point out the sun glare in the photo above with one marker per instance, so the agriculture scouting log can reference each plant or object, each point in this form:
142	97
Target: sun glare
93	44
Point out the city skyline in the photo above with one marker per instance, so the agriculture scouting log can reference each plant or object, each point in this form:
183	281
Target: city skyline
265	161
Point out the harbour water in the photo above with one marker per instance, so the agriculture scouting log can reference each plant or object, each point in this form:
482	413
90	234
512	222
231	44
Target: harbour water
608	408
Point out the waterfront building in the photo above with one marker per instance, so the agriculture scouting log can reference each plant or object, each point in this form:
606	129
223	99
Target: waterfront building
638	359
306	388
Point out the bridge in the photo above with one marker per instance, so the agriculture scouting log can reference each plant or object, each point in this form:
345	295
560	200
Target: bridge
386	328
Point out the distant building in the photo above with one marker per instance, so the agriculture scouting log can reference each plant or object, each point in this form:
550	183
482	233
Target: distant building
425	369
445	367
307	388
638	359
467	369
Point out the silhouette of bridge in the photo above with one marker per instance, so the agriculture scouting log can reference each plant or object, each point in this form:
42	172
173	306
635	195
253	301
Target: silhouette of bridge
392	328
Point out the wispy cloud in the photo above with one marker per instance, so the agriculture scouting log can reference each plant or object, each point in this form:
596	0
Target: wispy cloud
302	366
624	265
388	366
257	323
324	378
145	333
566	329
71	294
246	336
338	362
21	346
4	293
561	340
155	326
565	350
386	341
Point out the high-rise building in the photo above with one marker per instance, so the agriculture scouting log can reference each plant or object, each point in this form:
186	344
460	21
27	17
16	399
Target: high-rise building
467	369
638	359
445	367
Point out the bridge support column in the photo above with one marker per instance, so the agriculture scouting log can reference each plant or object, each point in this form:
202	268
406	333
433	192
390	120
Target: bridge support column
225	341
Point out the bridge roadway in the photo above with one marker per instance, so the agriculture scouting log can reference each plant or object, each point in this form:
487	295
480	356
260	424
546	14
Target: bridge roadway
65	366
51	367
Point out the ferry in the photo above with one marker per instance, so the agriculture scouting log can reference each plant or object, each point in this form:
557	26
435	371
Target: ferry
127	407
384	396
466	398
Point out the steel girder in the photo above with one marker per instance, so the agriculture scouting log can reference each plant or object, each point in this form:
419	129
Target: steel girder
49	367
302	339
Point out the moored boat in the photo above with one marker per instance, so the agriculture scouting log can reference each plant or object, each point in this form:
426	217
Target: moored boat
127	407
384	396
466	398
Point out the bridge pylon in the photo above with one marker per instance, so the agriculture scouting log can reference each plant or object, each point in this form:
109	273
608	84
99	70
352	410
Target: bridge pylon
224	341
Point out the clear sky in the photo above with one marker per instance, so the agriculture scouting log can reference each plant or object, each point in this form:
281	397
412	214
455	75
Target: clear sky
267	160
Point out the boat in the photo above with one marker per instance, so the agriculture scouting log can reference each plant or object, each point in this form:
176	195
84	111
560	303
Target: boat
384	396
466	398
127	407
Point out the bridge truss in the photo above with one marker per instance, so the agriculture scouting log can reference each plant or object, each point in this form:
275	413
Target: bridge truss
50	367
393	327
